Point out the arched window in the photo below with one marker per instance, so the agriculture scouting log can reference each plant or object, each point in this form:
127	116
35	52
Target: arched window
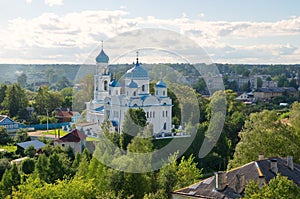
164	92
105	85
143	88
134	93
165	126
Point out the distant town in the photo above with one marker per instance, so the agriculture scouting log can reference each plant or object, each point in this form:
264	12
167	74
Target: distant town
52	121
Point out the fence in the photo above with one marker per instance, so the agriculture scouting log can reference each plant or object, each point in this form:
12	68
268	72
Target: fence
50	126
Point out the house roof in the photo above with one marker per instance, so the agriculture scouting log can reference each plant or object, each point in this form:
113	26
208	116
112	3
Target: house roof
251	171
35	143
65	114
74	136
5	117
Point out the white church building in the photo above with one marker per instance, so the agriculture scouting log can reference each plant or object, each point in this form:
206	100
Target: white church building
111	101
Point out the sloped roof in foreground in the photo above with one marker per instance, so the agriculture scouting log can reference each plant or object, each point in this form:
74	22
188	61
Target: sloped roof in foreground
251	171
35	143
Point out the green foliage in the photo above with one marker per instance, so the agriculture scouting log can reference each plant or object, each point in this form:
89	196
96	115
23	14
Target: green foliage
10	180
21	136
15	100
27	166
47	100
262	133
171	176
22	80
278	187
4	137
187	172
56	168
3	89
75	188
41	168
134	121
85	94
30	151
4	165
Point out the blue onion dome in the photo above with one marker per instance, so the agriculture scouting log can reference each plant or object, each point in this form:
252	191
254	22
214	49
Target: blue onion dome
132	84
137	72
102	57
114	83
161	84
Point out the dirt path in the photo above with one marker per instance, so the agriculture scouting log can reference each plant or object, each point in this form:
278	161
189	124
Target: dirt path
40	134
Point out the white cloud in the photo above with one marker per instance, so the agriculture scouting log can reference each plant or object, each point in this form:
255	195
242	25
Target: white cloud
53	2
62	39
28	1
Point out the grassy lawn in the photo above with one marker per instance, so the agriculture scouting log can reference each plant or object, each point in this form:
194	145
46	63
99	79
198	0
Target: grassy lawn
92	139
10	148
52	132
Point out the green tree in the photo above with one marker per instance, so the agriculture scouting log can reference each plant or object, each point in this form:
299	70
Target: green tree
55	168
3	89
46	100
4	165
4	137
15	100
187	172
30	151
22	80
10	179
167	178
278	187
134	122
27	166
85	94
259	82
75	188
63	83
21	136
263	133
41	168
293	83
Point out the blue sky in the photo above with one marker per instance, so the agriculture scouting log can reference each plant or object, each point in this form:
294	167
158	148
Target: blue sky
231	31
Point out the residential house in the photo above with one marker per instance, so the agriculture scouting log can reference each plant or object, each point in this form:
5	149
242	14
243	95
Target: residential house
246	97
9	124
231	184
67	116
38	145
269	93
76	140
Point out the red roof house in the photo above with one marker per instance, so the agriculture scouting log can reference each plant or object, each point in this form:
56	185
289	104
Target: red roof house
76	140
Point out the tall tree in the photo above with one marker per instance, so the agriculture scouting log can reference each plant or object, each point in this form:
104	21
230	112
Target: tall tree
22	80
15	100
278	187
3	89
46	100
41	167
10	179
263	133
134	122
55	168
